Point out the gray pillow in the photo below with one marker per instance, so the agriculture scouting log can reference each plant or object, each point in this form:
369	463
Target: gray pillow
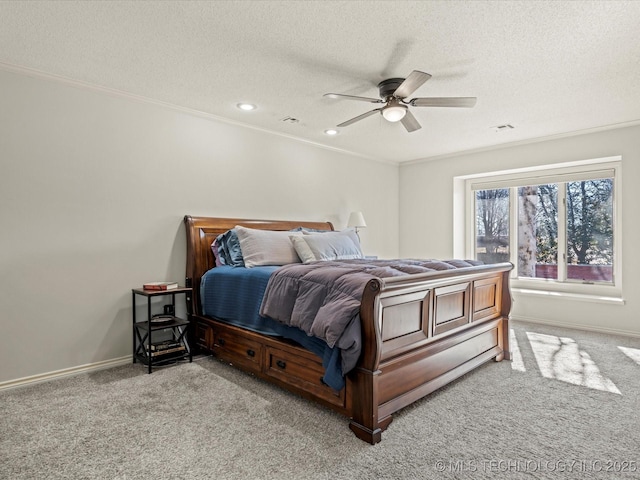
302	249
344	245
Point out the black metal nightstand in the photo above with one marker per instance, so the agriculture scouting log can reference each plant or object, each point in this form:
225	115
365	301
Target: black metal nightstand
176	347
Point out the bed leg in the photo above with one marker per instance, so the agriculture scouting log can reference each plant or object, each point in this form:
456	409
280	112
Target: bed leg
365	423
368	435
505	309
365	434
503	338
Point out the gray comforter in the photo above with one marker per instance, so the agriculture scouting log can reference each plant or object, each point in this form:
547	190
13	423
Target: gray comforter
323	298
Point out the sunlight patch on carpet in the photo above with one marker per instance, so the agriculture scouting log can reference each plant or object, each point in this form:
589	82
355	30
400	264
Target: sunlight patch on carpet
560	358
516	356
632	353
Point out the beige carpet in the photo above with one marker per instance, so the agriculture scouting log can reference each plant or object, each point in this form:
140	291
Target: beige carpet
567	407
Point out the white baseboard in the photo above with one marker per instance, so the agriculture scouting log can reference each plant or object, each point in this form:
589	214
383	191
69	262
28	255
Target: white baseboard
66	372
574	326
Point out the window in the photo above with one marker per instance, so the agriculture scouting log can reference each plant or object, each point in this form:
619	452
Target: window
556	225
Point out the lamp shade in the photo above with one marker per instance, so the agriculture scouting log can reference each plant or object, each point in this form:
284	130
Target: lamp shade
356	219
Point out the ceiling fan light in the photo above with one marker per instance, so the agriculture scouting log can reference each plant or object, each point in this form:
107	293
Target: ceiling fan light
394	113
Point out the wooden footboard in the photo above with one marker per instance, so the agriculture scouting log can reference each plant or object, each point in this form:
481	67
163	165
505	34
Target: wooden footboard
419	333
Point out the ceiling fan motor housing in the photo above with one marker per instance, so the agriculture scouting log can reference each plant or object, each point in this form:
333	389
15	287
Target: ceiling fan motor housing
387	87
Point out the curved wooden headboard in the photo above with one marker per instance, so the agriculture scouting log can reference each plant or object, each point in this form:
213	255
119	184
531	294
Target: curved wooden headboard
202	231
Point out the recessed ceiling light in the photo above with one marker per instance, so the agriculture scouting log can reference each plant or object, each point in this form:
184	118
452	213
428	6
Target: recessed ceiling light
331	131
246	106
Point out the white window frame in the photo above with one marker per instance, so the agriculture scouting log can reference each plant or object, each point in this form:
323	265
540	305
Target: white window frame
610	167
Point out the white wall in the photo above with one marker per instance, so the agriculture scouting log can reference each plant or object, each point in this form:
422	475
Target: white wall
427	215
93	190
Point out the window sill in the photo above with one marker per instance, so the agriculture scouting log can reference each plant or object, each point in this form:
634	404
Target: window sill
570	296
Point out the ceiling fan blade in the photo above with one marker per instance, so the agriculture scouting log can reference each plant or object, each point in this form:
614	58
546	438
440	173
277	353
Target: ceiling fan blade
353	97
467	102
411	84
359	117
410	122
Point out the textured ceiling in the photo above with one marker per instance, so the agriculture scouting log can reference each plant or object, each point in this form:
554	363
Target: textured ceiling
546	68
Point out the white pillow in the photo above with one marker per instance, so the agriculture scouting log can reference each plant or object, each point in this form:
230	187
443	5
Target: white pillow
343	245
266	247
302	249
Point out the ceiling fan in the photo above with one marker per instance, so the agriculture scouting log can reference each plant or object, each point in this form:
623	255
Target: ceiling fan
393	93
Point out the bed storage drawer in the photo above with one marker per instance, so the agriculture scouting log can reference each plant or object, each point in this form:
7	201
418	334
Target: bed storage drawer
301	372
237	350
202	335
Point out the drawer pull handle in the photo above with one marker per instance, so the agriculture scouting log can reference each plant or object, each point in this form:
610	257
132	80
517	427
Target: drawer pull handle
251	353
221	341
282	364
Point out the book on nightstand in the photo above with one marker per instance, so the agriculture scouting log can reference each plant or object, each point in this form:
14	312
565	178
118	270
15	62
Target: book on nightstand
165	345
160	353
160	285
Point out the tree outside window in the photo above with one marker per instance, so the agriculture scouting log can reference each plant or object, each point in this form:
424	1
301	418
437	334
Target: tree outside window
492	225
585	221
590	230
538	231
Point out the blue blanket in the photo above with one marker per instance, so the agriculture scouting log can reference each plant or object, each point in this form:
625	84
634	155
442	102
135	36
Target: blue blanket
234	295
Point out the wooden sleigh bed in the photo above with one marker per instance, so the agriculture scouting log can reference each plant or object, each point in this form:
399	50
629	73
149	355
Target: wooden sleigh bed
420	332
